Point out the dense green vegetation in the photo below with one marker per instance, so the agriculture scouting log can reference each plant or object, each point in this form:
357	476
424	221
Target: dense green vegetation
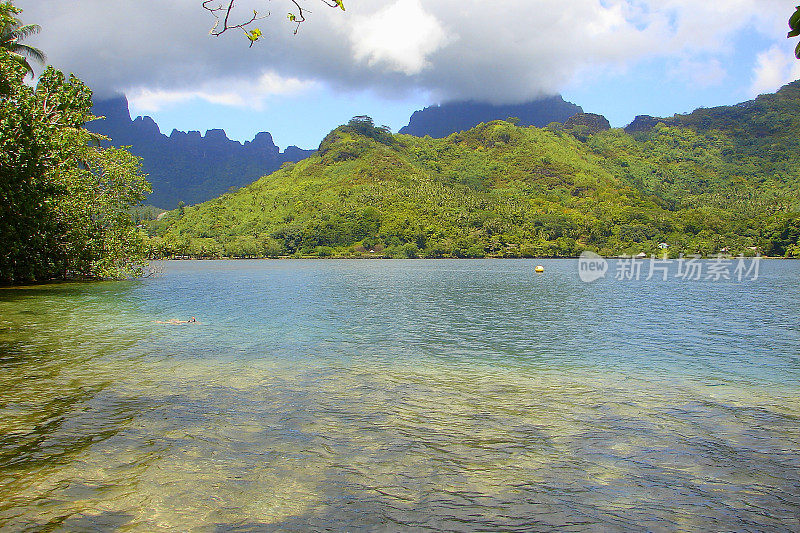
64	201
717	181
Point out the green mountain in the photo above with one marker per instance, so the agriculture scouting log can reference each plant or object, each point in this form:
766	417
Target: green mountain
716	180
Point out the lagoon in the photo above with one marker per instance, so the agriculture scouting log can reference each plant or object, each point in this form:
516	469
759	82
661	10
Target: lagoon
450	395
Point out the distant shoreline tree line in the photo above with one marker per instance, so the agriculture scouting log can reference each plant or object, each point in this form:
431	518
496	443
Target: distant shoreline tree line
778	240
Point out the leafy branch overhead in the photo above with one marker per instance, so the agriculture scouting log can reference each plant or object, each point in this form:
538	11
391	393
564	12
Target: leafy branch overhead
226	18
794	25
65	200
12	32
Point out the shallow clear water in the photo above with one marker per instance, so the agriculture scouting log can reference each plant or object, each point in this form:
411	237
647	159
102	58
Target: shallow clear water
386	395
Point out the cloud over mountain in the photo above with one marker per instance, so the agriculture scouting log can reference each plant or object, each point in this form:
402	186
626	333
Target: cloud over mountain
505	51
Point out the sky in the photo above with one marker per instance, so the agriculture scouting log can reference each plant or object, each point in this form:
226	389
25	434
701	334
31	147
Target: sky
388	58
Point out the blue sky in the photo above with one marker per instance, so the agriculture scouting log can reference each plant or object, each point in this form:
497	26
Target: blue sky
388	58
658	87
301	120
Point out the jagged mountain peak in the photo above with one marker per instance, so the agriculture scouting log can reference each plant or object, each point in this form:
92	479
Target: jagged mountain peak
189	166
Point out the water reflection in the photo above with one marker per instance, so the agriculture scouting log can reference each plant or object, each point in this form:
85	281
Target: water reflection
58	400
414	410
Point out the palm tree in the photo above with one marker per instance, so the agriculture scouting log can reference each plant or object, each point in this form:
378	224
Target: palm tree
11	33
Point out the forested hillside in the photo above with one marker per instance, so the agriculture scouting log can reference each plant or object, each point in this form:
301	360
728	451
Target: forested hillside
717	180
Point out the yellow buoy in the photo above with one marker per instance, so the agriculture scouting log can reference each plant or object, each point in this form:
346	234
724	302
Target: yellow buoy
539	269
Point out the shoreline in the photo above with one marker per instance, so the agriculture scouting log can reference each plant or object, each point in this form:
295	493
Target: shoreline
61	282
386	258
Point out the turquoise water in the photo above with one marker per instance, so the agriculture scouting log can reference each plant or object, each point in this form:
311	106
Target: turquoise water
395	395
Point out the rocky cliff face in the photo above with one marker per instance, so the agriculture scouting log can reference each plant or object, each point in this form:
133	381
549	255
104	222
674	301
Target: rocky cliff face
590	122
440	121
643	123
188	166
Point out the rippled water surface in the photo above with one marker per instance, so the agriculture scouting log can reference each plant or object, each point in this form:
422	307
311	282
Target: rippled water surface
397	395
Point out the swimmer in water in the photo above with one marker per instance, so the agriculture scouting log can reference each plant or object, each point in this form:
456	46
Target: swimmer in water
175	321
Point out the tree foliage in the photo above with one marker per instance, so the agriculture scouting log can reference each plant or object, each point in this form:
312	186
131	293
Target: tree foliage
794	29
12	32
63	199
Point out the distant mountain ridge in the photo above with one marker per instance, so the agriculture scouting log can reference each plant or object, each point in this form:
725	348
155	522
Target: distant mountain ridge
188	166
442	120
755	118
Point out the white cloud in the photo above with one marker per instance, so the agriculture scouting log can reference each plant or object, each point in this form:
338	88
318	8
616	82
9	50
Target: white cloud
502	51
401	37
236	93
775	68
712	25
607	21
271	83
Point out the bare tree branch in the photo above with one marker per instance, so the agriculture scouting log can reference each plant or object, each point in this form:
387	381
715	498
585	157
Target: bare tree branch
223	9
216	30
300	17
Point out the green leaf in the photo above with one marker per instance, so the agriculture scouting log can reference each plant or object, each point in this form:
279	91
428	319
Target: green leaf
254	35
794	21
